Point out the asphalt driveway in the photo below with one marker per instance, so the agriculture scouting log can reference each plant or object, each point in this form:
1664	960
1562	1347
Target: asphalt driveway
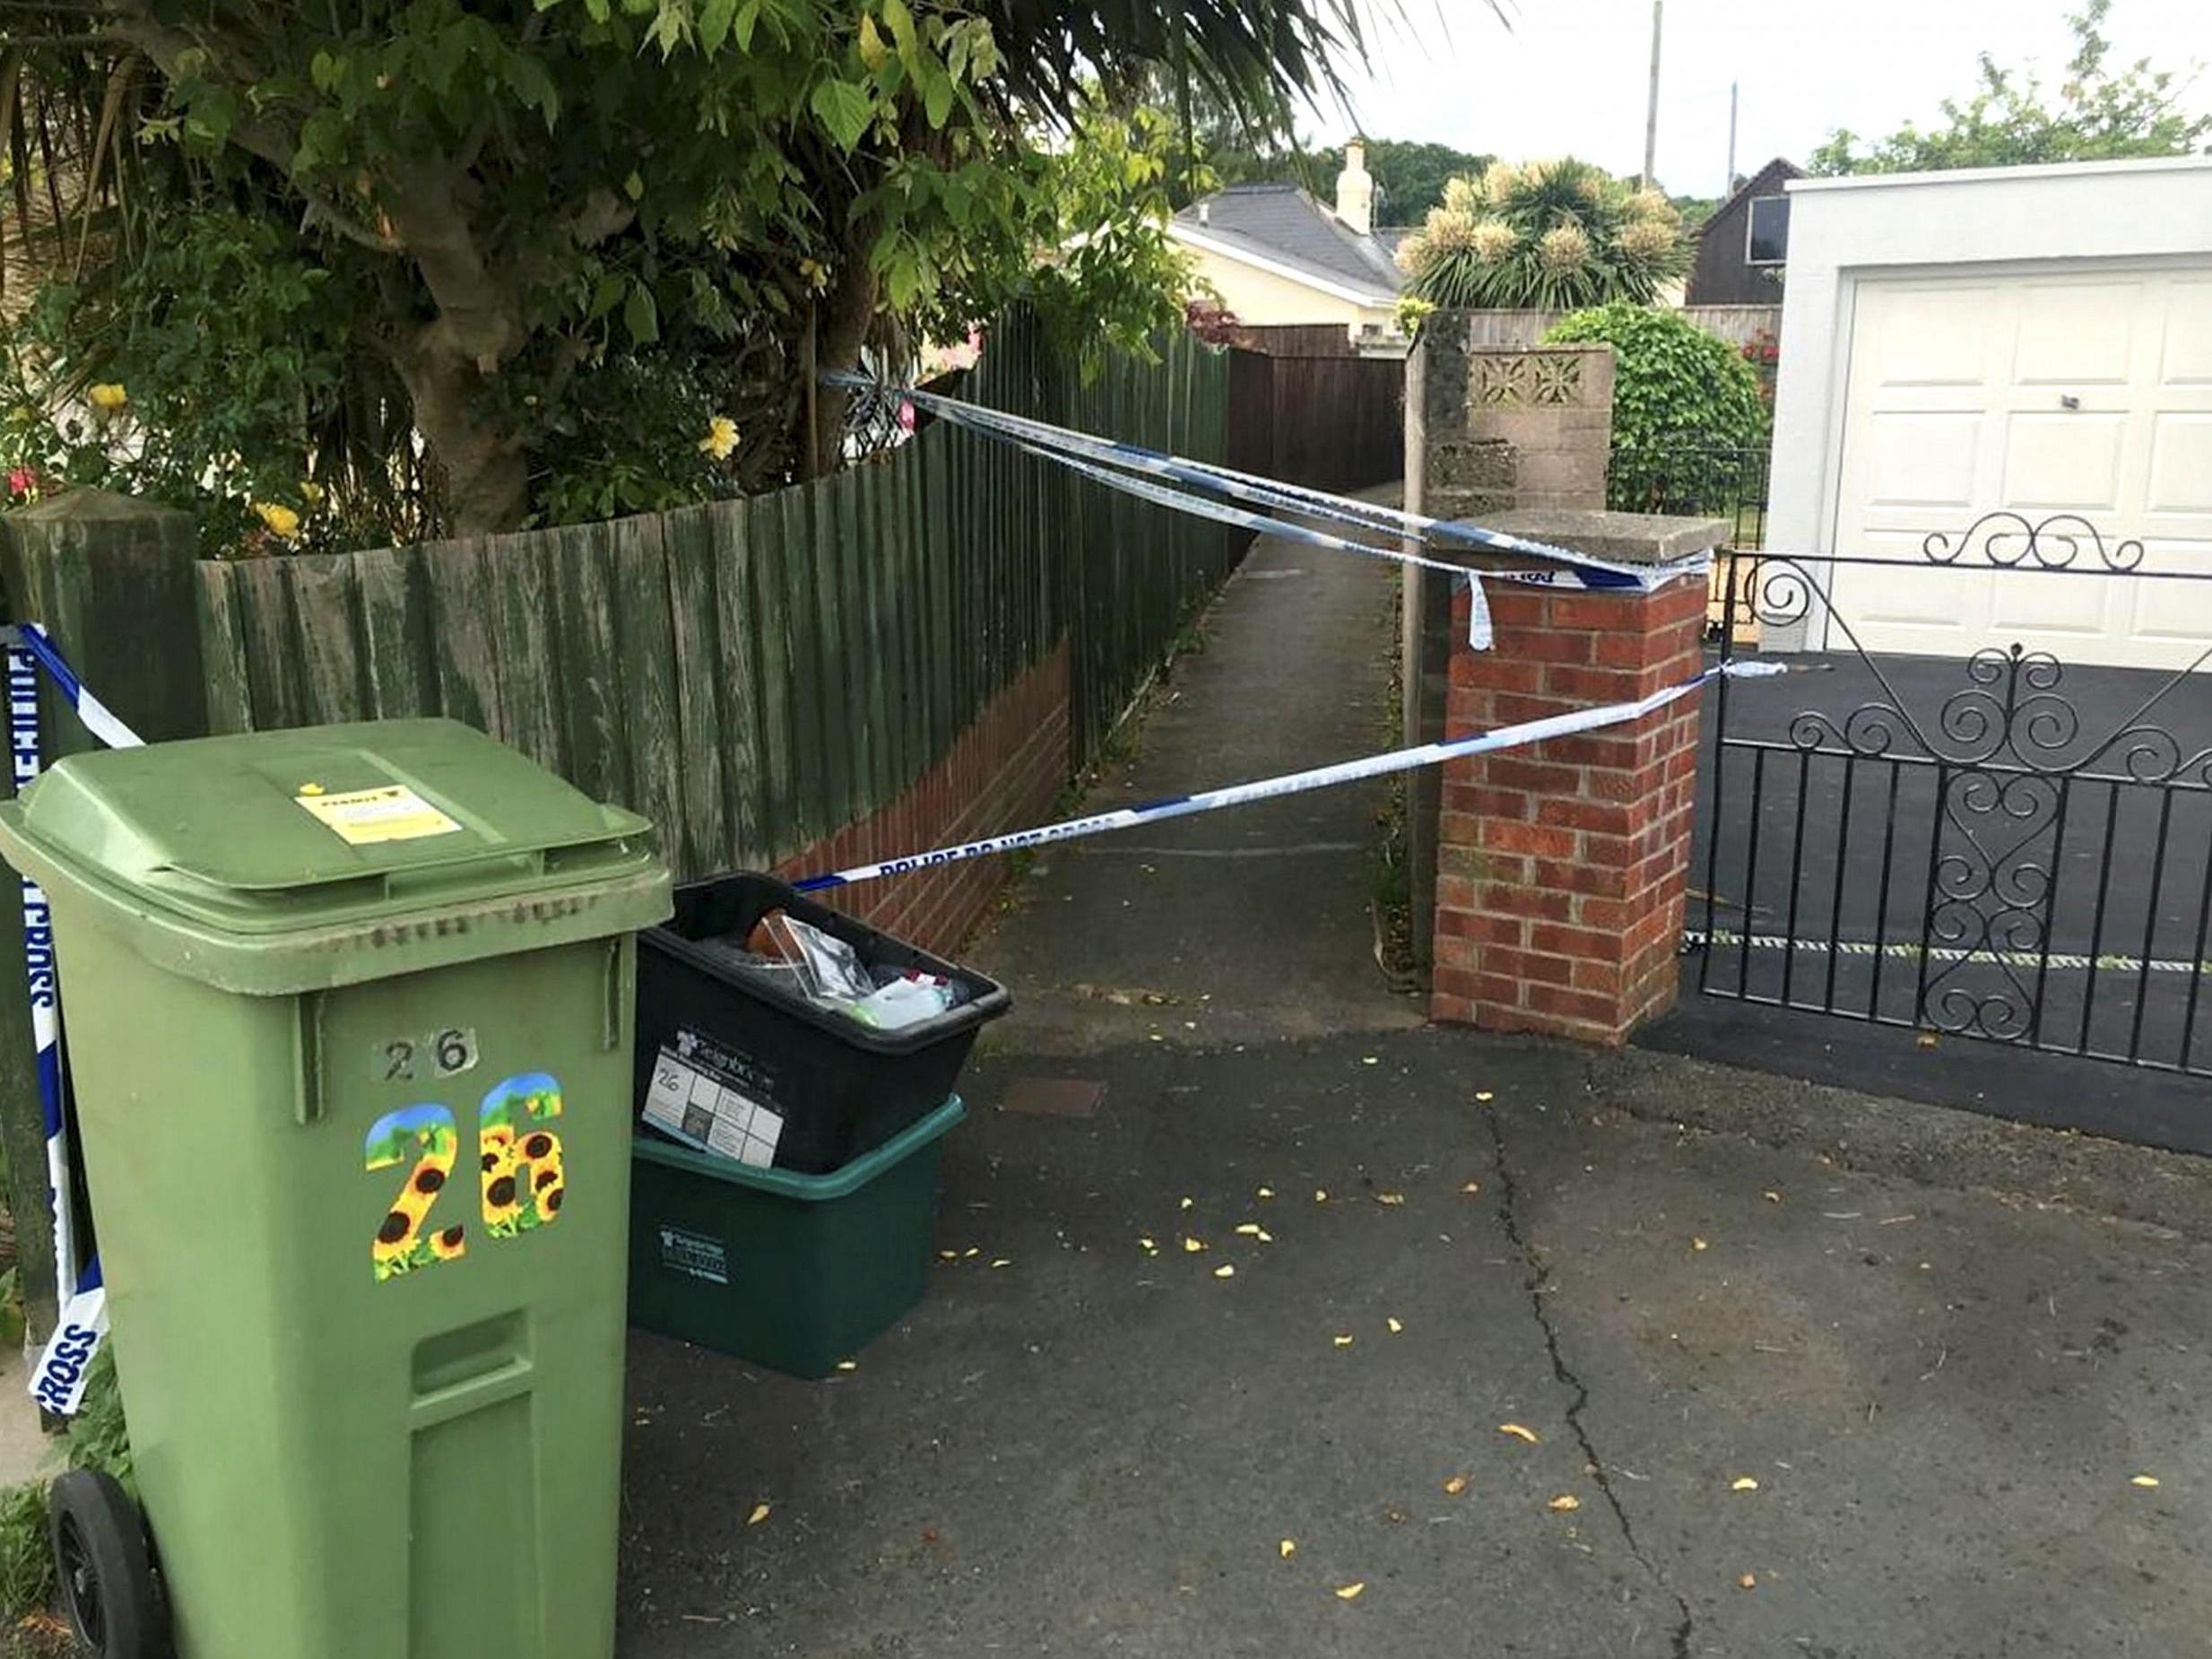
1519	1350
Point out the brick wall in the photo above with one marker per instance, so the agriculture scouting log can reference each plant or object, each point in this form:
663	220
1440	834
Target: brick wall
1562	867
1489	429
1004	773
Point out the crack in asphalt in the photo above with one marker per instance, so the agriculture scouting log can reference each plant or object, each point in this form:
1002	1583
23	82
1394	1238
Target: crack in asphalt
1509	1209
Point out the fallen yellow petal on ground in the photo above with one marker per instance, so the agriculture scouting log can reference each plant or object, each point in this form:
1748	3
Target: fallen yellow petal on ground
1390	1198
1249	1230
1564	1502
1520	1433
1265	1192
2144	1479
1187	1203
1147	1244
1771	1196
1350	1592
1743	1483
1471	1187
1225	1272
1698	1244
1288	1548
848	1365
1750	1581
1455	1486
1342	1342
1321	1194
1000	1261
759	1514
1484	1097
1191	1246
948	1256
1395	1326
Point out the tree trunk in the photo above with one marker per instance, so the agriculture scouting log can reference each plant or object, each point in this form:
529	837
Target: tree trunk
848	313
482	475
483	470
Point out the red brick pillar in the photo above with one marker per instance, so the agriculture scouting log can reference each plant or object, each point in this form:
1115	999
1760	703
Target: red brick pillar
1562	867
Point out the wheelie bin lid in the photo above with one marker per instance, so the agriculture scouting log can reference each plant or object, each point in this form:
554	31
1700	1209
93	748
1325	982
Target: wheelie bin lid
279	862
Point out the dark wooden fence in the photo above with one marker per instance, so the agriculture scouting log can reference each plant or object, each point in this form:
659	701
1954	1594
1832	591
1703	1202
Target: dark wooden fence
754	674
1312	413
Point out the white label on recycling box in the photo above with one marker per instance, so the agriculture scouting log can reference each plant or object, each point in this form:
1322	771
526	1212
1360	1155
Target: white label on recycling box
695	1097
57	1380
700	1256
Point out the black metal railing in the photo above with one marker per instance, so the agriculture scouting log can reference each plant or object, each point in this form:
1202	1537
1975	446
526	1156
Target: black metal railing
2002	848
1724	484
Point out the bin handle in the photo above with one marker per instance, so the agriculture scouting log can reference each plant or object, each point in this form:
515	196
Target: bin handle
310	1087
616	1000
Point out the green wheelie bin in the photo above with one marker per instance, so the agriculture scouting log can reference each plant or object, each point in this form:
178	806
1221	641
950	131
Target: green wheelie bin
350	1018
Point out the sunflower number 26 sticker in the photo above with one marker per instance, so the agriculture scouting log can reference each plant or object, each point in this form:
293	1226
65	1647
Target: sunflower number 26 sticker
521	1180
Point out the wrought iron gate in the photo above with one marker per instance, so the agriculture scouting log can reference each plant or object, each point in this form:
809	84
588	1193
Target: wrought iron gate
2003	847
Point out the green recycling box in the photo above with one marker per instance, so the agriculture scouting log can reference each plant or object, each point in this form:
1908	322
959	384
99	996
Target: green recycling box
349	1014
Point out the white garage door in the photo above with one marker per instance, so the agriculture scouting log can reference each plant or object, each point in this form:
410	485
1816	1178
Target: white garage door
2043	392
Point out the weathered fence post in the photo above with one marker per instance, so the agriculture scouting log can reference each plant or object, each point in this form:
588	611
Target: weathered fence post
1488	428
111	579
1561	867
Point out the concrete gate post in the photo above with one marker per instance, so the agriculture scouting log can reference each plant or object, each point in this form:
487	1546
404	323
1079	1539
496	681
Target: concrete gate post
1562	868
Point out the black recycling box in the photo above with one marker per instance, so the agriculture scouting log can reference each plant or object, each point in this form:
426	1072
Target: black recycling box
809	1088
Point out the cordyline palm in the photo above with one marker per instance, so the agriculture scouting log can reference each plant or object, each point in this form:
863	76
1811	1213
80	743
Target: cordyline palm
1553	236
512	180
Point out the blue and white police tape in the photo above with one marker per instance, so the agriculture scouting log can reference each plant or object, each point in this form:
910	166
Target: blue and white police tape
1567	568
98	719
58	1381
1295	783
1480	634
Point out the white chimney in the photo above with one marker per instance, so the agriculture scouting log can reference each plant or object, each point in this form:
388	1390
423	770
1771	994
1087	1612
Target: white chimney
1355	190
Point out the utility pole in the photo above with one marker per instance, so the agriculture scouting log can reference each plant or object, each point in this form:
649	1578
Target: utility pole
1650	112
1727	185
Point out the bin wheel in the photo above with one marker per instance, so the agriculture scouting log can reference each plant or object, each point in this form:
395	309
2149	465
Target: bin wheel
105	1568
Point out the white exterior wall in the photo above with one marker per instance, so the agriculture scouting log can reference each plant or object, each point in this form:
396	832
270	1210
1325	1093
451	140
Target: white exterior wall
1269	299
2047	220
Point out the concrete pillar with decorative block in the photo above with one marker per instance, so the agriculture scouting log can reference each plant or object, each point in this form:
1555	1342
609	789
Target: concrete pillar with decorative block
1562	867
1489	429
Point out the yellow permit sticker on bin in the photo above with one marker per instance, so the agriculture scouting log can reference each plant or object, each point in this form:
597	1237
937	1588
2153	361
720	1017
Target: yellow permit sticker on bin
362	817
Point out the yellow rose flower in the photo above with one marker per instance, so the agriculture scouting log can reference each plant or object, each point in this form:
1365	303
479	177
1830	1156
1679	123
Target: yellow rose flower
108	396
721	440
310	492
280	519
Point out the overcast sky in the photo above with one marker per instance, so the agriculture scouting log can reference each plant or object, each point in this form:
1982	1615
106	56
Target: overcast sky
1569	75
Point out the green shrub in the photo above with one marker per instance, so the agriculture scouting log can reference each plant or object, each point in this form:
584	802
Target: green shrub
1675	387
26	1563
96	1439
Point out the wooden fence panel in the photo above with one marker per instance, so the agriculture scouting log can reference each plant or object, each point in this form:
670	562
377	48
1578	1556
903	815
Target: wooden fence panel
1738	325
395	633
590	693
695	621
523	580
645	635
754	674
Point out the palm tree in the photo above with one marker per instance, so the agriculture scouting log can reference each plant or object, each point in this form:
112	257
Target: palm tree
1553	236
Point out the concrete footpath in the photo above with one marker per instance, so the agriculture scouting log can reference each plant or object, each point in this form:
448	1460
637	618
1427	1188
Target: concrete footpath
1524	1352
